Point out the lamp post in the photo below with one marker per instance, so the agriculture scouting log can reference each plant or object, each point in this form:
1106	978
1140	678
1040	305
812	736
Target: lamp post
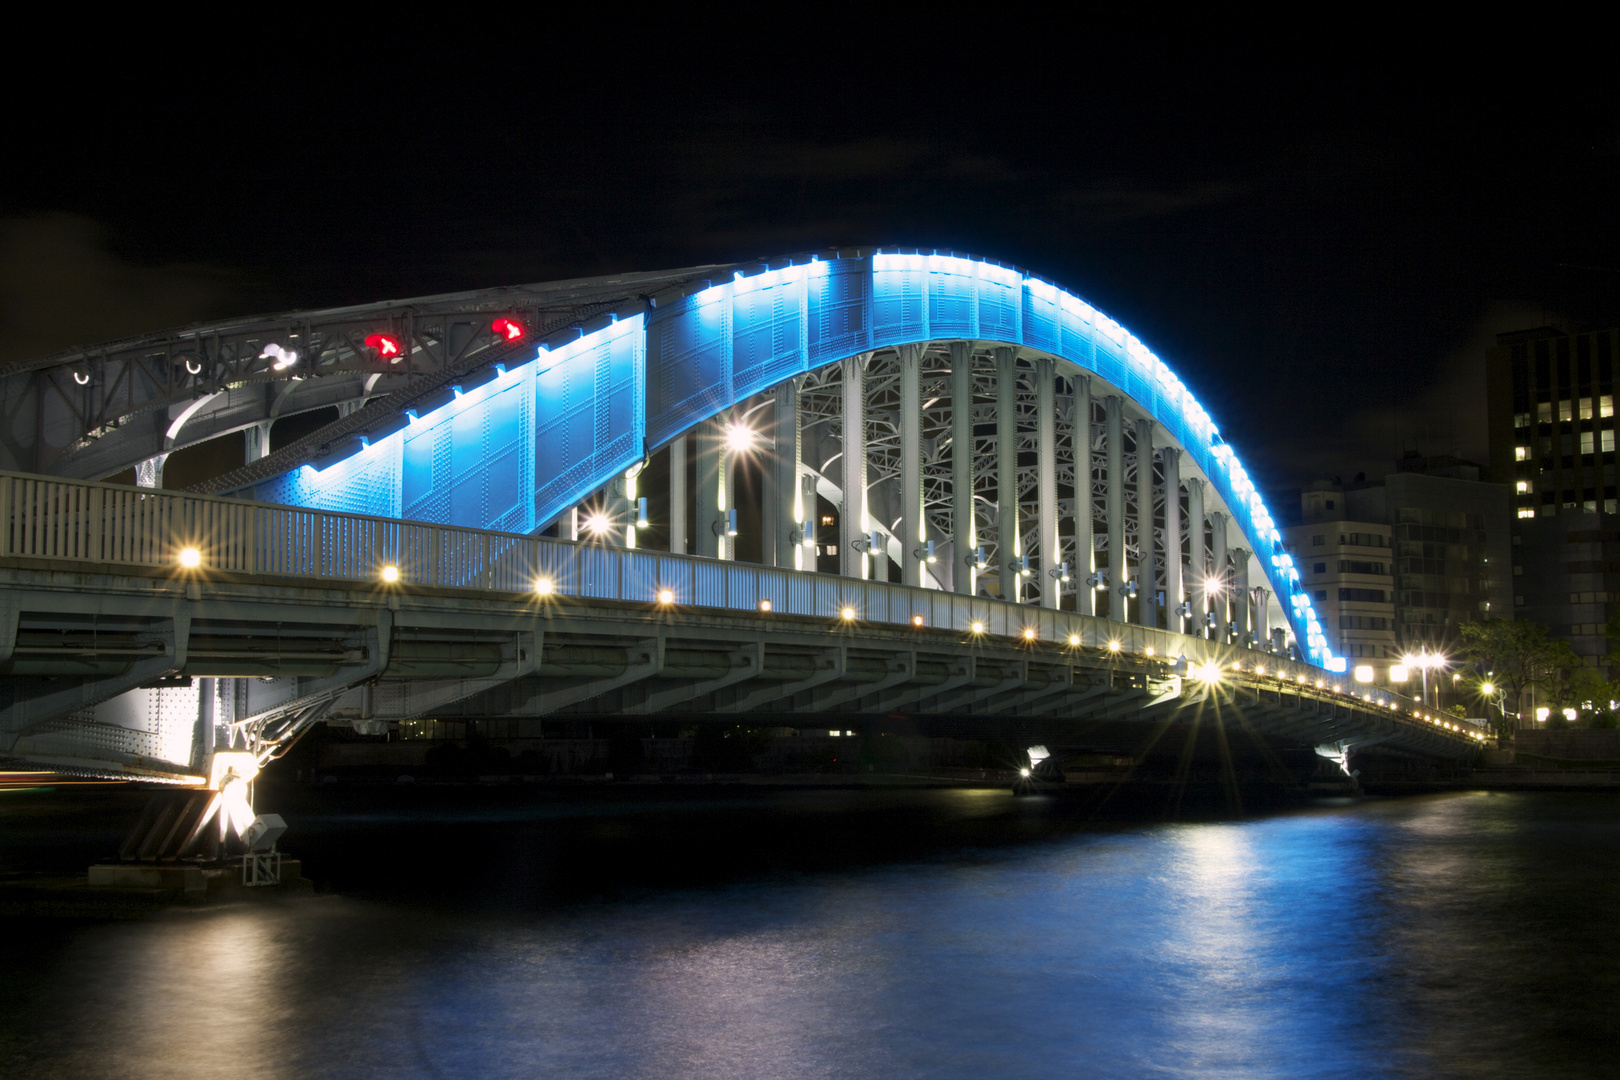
1425	660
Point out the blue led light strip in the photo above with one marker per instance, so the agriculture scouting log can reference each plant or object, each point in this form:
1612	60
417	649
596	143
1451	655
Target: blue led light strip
516	452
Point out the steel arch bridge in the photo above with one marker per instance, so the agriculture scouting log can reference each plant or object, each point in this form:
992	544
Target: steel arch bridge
982	434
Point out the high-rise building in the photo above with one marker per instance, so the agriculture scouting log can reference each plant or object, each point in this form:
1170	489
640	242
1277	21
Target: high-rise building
1345	562
1395	566
1550	402
1551	398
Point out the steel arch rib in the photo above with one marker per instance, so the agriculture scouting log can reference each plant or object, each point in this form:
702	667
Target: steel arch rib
512	447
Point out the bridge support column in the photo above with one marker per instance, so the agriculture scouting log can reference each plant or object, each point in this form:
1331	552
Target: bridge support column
1085	545
780	520
678	501
149	473
1170	460
255	443
1222	593
1147	572
1114	435
809	550
963	535
1197	561
711	491
1262	612
852	559
1241	599
1046	485
1008	548
913	526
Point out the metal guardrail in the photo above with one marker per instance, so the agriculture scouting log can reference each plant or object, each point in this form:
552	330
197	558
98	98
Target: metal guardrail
112	524
115	525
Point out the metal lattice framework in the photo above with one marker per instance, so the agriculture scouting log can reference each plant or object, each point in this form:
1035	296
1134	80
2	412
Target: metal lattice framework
985	435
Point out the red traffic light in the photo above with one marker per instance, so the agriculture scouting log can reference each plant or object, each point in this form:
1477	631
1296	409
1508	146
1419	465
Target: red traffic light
507	329
387	347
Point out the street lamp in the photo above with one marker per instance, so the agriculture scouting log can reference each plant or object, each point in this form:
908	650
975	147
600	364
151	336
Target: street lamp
1423	661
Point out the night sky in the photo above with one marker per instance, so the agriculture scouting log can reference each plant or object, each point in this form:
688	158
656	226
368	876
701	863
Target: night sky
1321	252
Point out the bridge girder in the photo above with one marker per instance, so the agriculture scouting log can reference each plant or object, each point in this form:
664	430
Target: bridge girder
360	655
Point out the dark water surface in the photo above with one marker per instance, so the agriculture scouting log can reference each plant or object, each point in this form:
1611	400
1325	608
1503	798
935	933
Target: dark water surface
851	934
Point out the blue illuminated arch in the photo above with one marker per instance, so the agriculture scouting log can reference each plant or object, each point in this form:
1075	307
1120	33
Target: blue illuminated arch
516	447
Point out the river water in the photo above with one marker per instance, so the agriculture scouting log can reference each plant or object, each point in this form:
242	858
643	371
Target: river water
851	934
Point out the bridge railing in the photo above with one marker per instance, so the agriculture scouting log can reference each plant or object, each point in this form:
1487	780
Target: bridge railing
115	525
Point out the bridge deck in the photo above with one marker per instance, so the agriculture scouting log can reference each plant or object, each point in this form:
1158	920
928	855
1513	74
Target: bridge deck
291	608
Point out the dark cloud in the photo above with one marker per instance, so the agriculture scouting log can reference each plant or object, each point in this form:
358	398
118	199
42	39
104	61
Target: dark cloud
1118	200
61	286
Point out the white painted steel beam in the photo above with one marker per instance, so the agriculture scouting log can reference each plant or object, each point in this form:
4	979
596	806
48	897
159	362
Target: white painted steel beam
1008	548
852	529
1197	558
1114	436
1046	484
678	499
913	526
963	534
1085	544
1170	462
1221	596
1146	559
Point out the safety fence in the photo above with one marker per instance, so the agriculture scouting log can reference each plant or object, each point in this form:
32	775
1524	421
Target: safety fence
116	525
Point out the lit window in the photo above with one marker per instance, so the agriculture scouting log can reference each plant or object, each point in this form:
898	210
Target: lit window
1606	405
826	519
1566	410
1524	485
1521	453
1606	443
1587	442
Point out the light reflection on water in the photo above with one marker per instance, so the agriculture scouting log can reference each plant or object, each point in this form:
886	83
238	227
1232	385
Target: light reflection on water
1464	935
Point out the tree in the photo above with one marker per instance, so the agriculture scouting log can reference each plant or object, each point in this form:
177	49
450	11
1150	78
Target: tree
1515	655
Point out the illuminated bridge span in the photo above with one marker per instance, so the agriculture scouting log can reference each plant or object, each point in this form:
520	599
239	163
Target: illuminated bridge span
980	501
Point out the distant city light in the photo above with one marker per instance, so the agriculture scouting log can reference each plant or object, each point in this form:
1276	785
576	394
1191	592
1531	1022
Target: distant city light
507	329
